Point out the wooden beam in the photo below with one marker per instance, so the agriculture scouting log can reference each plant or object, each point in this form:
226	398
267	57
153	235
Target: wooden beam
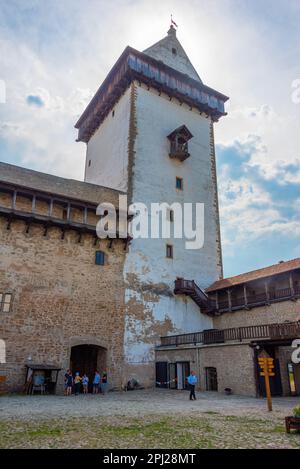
68	211
292	284
14	200
229	300
33	204
85	215
267	292
50	207
245	295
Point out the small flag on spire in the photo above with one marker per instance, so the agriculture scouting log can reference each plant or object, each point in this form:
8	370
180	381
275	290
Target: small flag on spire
173	22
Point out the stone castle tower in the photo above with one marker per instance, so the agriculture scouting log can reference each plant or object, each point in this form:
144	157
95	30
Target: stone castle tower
149	133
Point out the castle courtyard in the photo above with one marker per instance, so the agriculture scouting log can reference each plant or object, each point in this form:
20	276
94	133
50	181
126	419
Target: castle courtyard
144	419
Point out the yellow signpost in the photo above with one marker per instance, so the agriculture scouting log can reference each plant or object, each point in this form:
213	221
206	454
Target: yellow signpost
267	366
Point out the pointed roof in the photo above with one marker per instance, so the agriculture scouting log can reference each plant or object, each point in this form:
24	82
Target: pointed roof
170	52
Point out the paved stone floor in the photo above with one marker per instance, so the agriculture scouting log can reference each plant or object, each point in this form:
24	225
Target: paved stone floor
138	403
145	419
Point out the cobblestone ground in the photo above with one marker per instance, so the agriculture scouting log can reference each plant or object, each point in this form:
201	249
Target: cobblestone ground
144	419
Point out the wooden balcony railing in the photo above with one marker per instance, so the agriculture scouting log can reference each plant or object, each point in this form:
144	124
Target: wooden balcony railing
288	330
257	299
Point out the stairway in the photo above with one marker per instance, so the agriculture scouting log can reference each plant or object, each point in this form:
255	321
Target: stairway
191	289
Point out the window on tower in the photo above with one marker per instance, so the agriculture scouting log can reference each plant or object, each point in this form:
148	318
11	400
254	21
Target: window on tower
179	184
179	147
169	251
100	258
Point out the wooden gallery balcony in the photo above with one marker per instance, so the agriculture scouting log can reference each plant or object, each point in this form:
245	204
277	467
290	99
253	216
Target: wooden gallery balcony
280	331
49	210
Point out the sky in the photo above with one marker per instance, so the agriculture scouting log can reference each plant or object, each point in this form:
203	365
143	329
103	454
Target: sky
54	54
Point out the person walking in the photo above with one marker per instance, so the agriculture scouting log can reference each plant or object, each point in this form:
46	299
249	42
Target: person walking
96	382
85	384
77	382
192	380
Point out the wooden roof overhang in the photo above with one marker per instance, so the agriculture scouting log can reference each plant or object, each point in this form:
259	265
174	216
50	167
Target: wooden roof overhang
48	221
263	274
135	65
183	131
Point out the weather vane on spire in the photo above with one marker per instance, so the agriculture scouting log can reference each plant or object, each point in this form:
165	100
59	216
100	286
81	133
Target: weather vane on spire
173	22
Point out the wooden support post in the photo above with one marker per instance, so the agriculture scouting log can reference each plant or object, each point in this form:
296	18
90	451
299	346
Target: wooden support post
268	392
291	284
33	204
85	215
267	366
267	292
217	300
229	300
50	208
14	200
245	296
68	211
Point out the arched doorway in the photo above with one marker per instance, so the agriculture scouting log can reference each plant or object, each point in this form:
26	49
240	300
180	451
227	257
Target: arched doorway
87	359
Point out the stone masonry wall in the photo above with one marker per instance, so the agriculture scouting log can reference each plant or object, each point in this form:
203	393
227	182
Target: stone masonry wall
60	299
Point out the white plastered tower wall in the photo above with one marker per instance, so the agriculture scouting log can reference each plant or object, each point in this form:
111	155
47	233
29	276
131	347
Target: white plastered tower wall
107	151
152	308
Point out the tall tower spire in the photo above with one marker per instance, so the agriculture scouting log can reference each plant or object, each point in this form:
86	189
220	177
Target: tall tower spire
170	51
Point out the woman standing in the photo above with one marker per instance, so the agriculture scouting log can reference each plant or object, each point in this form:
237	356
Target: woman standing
77	382
104	383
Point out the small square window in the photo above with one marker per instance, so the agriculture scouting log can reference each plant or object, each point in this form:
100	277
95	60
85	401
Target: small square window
100	258
174	51
5	302
169	251
179	184
113	113
90	161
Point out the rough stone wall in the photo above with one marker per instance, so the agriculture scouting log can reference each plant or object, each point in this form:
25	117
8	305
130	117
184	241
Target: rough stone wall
234	364
235	367
60	299
276	312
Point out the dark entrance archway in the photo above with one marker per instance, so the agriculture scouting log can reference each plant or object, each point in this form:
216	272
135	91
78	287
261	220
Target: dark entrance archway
87	359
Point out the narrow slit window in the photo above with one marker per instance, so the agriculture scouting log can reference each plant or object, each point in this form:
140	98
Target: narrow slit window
179	184
169	251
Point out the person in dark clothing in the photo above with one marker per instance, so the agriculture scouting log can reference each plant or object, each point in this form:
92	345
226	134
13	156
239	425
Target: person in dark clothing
68	382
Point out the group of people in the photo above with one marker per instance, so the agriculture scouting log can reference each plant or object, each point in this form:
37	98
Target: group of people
78	382
100	383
